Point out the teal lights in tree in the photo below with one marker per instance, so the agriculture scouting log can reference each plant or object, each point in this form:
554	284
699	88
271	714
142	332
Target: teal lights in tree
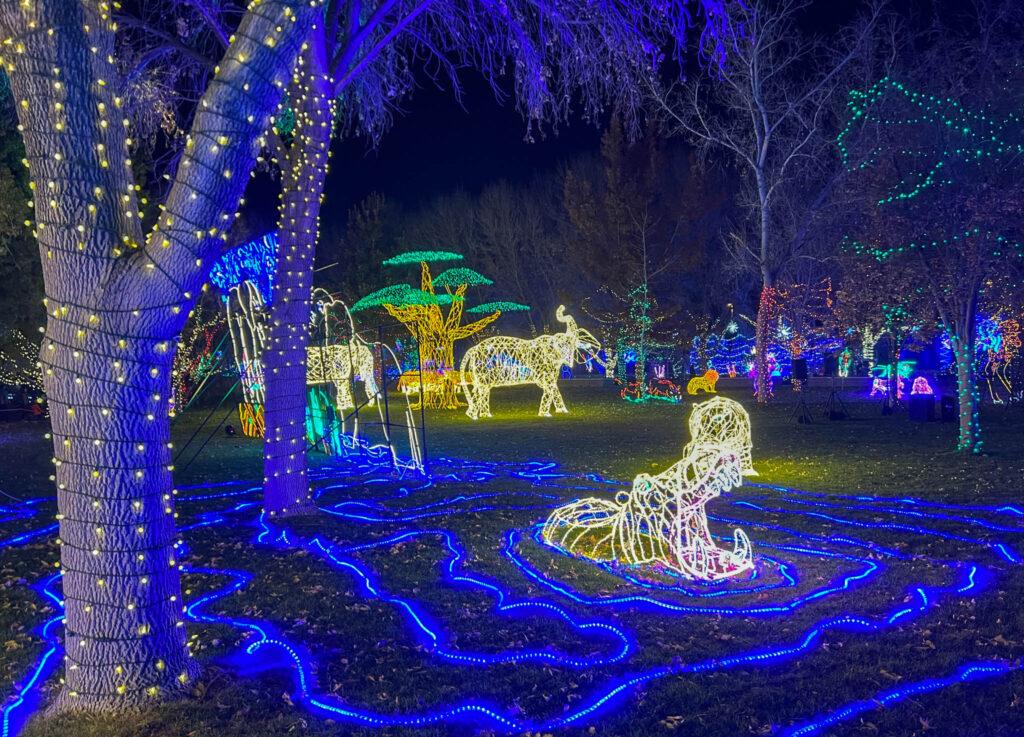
944	185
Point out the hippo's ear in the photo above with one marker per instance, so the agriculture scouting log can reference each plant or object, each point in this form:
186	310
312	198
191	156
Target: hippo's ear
643	482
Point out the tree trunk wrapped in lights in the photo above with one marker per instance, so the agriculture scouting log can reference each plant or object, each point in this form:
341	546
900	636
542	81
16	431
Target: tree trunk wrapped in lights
117	300
285	483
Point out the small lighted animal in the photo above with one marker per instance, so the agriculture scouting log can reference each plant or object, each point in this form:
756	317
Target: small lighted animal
506	361
704	383
338	365
921	386
656	388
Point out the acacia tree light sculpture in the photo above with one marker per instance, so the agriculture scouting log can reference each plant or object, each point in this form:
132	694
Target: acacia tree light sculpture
436	332
507	361
662	519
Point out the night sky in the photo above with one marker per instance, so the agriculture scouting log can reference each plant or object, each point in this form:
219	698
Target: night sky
436	145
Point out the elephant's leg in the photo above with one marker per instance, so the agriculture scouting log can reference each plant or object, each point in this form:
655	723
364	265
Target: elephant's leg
472	410
484	398
556	396
546	401
371	389
344	395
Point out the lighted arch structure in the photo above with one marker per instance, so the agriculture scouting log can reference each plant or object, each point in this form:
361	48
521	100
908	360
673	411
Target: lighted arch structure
507	361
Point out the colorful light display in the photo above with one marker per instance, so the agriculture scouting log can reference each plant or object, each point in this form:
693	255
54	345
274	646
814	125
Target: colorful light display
506	361
862	560
921	386
658	389
436	332
705	383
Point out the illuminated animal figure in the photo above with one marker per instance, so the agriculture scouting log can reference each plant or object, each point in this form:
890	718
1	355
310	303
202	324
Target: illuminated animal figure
435	381
505	361
662	389
338	365
722	422
880	387
661	520
704	383
921	386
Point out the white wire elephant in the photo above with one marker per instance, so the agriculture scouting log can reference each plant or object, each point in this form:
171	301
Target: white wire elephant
339	365
507	361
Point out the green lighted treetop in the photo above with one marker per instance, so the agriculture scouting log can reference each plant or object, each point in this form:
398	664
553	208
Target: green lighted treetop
436	332
415	257
501	305
455	277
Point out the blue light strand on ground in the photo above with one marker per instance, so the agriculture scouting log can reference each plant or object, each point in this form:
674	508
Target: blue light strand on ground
846	582
26	536
434	633
1004	551
896	511
1002	509
920	597
45	664
972	672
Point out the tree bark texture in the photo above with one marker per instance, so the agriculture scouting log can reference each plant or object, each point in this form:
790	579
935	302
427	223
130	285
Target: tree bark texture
763	330
286	483
116	302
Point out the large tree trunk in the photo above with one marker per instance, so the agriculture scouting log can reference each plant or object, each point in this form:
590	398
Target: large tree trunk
125	637
286	483
967	397
116	303
763	331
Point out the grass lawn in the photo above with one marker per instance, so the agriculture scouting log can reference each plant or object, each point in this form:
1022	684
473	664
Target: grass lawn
928	588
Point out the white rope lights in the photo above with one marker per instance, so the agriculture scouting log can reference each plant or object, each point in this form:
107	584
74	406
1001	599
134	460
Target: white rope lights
338	365
325	364
662	519
507	361
722	422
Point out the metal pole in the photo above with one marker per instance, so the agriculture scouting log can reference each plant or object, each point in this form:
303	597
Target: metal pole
423	416
379	358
